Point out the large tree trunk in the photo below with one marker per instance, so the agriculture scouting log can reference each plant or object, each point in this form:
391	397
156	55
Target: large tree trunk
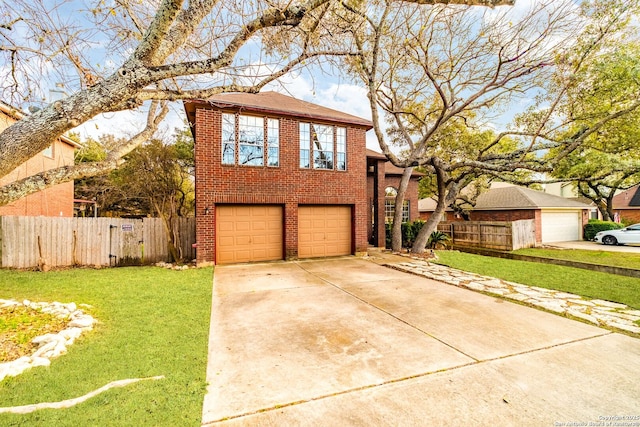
396	229
445	196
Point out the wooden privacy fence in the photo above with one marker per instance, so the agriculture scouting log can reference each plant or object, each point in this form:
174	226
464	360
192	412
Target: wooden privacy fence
27	242
504	236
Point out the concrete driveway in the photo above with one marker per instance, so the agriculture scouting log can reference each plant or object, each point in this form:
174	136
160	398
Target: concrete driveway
593	246
349	342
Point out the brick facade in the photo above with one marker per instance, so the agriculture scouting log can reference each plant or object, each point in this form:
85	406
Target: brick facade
629	215
380	175
53	201
286	185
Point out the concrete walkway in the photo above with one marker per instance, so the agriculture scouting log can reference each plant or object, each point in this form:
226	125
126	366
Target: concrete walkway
350	342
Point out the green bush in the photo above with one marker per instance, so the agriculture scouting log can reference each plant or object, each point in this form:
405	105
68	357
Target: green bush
410	231
596	225
438	240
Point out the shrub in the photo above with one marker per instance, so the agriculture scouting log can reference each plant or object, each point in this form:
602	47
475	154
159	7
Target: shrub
596	225
410	231
438	240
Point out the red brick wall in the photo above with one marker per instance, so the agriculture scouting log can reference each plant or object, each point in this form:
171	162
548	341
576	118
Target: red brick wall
629	215
286	185
411	195
54	201
449	216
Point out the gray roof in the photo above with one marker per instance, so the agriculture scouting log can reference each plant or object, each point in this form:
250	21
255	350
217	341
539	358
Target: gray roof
429	205
515	197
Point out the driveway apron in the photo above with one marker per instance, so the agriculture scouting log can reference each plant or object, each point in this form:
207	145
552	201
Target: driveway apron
349	342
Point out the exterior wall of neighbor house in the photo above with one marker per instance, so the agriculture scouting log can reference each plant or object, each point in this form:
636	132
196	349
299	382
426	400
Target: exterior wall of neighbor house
629	215
511	215
287	185
53	201
448	216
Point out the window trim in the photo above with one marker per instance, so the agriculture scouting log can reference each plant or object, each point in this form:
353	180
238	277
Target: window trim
308	147
268	144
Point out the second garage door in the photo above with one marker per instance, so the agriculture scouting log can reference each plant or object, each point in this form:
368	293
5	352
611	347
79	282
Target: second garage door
324	231
560	226
247	233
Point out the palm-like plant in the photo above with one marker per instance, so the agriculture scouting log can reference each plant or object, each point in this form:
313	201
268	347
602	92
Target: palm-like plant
438	240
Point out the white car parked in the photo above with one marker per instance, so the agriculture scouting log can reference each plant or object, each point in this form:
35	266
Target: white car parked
627	235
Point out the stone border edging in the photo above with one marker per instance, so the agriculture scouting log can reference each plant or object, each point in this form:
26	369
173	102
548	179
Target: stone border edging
49	345
599	312
620	271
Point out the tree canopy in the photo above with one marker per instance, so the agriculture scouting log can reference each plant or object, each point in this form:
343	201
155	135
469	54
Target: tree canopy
430	70
122	55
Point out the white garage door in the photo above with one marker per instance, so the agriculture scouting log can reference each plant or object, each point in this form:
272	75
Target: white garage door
561	226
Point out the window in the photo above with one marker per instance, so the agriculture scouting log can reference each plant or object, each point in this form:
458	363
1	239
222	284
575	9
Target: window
305	148
273	142
341	149
228	139
250	140
390	206
326	145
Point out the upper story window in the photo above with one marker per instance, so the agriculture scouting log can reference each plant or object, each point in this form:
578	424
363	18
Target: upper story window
323	146
250	139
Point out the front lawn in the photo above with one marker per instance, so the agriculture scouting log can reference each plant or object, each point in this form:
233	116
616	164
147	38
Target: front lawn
152	322
613	259
590	284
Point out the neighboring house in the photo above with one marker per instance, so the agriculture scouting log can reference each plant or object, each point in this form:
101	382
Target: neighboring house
53	201
277	178
569	191
557	219
383	181
626	205
427	206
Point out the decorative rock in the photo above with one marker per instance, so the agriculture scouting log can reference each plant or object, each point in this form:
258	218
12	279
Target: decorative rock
608	303
599	312
49	345
81	322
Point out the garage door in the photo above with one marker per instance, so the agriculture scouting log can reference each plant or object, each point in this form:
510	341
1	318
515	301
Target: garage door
324	231
560	226
247	233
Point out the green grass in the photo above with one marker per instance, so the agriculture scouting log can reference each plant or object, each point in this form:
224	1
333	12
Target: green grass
19	325
152	322
590	284
613	259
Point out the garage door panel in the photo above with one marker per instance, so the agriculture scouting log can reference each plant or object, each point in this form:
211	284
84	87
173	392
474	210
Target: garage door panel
246	233
324	231
560	226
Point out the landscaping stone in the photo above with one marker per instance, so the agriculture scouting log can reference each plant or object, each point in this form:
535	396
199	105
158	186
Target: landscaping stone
49	345
596	311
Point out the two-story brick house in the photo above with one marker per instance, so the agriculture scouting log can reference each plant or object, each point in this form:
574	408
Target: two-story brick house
277	178
53	201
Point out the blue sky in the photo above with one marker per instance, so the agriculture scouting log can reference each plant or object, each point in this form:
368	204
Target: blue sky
327	88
